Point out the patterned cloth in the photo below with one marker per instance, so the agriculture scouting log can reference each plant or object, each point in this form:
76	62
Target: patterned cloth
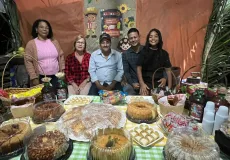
154	153
129	60
106	70
74	70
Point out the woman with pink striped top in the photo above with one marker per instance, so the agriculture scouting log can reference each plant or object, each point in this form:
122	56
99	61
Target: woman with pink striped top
46	51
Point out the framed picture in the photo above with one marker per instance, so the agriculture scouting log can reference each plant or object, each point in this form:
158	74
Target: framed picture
111	22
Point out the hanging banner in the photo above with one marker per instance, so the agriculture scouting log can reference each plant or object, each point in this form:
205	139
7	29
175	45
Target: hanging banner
111	22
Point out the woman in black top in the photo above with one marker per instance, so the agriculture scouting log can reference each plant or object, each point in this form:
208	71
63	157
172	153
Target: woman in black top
152	57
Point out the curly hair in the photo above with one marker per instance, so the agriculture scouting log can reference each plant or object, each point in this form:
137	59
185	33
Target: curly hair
35	26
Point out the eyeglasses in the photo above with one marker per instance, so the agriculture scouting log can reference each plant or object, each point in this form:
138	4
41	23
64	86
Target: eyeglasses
83	43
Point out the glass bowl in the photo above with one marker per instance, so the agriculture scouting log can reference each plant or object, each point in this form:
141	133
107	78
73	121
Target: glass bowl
47	111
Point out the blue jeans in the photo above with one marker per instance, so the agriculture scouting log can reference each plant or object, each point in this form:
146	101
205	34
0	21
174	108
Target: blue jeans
94	90
130	90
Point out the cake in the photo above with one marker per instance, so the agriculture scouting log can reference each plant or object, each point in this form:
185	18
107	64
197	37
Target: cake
141	111
12	136
47	111
173	100
49	145
188	146
111	144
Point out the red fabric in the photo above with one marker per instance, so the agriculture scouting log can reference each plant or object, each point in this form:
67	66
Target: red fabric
74	71
182	24
65	16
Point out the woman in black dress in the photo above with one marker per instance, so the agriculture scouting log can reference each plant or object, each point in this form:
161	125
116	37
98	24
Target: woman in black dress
152	57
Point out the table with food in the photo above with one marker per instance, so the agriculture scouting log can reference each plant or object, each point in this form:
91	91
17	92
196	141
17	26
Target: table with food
112	126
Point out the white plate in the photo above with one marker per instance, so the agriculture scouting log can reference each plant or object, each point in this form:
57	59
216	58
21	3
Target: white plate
78	100
144	134
130	99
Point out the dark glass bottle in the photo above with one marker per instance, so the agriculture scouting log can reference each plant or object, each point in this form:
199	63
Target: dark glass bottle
197	103
62	91
48	92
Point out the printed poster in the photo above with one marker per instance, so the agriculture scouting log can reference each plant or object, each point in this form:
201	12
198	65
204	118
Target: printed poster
111	22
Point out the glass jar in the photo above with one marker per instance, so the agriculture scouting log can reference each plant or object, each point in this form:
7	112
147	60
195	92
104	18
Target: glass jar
197	103
62	91
48	92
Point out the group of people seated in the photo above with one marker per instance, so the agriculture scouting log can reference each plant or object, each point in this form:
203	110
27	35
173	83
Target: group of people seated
105	68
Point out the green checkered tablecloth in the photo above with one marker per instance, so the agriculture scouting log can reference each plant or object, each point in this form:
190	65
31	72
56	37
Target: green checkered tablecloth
155	153
80	149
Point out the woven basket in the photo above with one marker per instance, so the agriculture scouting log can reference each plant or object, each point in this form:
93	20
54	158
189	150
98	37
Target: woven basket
155	96
7	101
19	90
169	108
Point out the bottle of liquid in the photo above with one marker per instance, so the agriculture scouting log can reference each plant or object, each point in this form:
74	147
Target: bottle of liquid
48	92
197	102
62	91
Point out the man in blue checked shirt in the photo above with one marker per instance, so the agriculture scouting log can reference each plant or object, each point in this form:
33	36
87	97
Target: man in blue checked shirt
105	67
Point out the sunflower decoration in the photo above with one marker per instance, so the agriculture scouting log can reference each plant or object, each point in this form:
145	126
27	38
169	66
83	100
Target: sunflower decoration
123	8
129	22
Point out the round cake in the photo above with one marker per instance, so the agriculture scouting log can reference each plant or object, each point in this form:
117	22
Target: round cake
49	145
141	111
12	136
47	111
111	144
188	146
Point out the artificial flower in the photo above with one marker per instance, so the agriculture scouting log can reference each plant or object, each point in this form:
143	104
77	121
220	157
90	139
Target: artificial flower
123	8
131	24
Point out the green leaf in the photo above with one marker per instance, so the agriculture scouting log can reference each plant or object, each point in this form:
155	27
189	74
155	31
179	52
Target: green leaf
89	1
